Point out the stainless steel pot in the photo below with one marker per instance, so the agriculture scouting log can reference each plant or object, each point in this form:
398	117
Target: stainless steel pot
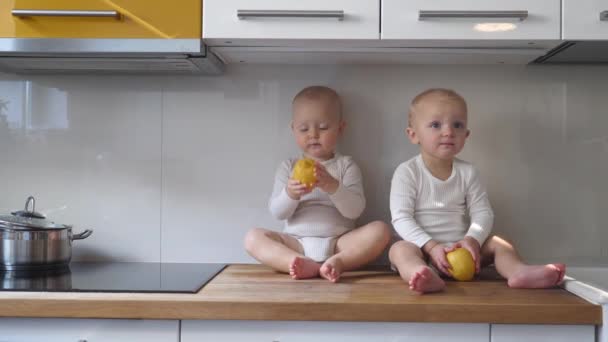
28	241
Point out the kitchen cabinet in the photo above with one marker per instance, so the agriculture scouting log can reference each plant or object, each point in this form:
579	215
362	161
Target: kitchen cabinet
100	19
414	23
287	331
381	32
263	22
542	333
87	330
106	330
585	19
471	20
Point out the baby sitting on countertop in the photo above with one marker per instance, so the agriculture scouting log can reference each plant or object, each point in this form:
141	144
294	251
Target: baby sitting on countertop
320	237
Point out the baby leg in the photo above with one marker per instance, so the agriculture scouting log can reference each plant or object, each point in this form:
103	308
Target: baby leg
281	252
519	274
356	248
409	261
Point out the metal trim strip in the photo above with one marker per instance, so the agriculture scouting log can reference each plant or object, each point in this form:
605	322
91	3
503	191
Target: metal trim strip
12	46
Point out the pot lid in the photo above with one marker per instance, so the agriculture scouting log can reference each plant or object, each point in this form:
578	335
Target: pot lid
28	218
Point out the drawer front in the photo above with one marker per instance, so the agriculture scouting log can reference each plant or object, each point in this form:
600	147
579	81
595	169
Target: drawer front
301	331
133	19
585	19
290	19
471	19
542	333
88	330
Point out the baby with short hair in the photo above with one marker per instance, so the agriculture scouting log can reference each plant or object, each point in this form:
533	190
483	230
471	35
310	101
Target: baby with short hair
438	204
320	237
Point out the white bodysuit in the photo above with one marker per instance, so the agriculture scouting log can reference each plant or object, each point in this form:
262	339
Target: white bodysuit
318	219
424	207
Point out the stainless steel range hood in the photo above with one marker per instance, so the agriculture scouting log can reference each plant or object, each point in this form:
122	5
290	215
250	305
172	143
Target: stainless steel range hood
577	52
174	56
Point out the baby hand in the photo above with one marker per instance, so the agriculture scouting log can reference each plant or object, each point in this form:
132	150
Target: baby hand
295	189
438	259
471	245
325	181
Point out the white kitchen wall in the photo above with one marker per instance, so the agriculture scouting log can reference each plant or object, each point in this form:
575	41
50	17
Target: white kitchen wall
177	169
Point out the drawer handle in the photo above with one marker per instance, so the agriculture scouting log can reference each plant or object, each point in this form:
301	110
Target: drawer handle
244	14
604	16
423	15
63	13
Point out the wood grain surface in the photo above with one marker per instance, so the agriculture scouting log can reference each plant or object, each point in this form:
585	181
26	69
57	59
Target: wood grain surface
255	292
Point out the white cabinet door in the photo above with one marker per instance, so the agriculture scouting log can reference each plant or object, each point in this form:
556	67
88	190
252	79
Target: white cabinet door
585	19
471	19
262	22
542	333
284	331
87	330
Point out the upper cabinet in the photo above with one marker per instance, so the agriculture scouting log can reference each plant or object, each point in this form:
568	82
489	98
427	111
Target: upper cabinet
387	31
471	19
268	22
585	19
256	22
100	19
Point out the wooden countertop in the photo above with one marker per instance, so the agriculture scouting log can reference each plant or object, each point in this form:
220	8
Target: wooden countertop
254	292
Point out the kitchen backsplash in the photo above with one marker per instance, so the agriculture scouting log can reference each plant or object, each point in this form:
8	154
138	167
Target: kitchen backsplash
177	169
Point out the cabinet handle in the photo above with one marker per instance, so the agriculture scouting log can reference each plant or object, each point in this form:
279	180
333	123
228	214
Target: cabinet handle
63	13
244	14
604	16
521	15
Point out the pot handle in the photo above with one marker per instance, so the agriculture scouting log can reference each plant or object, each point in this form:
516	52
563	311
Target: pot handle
82	235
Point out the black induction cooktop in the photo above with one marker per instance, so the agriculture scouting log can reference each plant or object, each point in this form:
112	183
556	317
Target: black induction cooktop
114	277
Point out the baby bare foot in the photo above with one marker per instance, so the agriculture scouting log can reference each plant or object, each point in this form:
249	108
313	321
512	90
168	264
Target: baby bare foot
303	268
331	269
538	276
425	280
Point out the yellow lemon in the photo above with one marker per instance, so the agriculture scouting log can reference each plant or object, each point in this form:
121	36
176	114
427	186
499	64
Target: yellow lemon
462	264
304	171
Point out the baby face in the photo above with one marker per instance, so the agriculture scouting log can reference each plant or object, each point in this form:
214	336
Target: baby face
316	127
439	125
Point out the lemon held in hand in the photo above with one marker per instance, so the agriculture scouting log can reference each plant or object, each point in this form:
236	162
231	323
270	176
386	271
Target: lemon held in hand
304	171
462	264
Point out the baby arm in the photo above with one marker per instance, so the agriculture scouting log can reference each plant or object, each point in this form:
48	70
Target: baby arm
348	195
436	253
481	215
403	203
325	181
286	193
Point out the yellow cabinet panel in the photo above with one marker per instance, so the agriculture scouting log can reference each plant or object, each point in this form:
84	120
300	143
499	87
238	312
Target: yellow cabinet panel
136	19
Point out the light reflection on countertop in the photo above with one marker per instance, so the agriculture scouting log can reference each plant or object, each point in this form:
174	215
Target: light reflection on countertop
591	284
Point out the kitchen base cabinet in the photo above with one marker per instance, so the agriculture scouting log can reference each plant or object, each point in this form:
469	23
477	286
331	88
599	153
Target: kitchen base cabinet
300	331
542	333
87	330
